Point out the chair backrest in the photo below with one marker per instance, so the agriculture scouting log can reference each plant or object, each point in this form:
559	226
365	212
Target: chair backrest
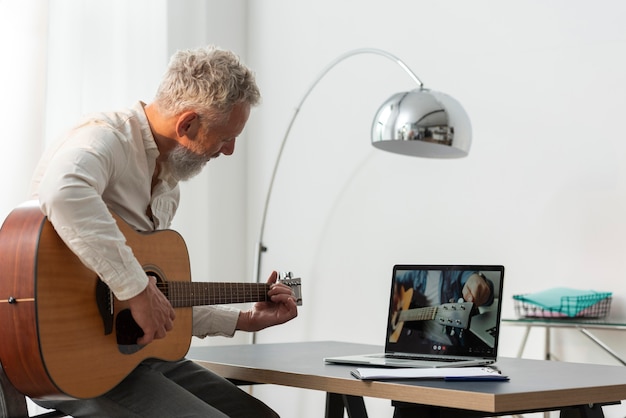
13	403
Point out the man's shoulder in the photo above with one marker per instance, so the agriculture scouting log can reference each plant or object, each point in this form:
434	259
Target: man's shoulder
126	126
119	120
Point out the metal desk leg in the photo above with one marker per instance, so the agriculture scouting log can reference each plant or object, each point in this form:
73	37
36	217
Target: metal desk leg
522	346
336	403
602	345
406	410
547	345
355	406
582	411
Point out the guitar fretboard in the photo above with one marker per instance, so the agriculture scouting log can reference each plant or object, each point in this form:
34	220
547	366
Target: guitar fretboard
418	314
186	294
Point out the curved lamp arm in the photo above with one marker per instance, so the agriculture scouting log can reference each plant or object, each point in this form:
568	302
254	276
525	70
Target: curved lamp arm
260	248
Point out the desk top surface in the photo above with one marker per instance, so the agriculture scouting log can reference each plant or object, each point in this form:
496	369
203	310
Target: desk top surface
533	384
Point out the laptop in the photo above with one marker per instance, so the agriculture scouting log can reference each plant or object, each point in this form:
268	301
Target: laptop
430	324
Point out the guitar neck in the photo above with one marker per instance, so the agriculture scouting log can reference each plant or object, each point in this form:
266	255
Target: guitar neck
418	314
186	294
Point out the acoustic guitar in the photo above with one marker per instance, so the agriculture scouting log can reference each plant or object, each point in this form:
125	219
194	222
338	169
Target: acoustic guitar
455	315
64	334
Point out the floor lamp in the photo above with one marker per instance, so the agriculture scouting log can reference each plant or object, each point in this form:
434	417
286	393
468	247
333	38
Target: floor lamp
420	122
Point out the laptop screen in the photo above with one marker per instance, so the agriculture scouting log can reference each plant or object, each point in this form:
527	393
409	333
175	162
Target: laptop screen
445	310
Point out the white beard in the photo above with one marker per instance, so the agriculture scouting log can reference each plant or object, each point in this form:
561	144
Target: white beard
184	163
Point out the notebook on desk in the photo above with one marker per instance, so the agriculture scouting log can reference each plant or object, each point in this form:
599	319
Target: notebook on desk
429	322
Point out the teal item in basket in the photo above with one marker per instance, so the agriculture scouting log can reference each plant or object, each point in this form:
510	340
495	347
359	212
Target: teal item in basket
564	300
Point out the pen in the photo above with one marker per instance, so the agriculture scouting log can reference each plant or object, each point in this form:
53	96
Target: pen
495	377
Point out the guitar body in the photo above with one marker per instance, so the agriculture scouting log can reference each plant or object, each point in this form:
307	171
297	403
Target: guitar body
54	342
403	304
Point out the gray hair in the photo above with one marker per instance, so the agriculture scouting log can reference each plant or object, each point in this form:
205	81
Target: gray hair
209	81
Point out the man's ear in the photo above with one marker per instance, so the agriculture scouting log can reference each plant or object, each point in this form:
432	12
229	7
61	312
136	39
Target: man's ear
188	124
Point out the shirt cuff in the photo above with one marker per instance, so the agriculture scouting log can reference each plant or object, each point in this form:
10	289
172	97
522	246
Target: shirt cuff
214	321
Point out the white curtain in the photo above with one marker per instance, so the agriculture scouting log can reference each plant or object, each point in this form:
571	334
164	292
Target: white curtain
62	59
103	55
23	46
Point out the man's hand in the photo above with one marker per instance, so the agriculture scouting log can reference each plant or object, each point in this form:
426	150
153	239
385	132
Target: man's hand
281	309
476	290
152	312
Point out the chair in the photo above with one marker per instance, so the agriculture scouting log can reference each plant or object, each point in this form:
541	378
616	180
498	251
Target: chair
13	403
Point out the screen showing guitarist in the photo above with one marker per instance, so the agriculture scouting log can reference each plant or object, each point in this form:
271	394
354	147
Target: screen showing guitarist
129	163
434	308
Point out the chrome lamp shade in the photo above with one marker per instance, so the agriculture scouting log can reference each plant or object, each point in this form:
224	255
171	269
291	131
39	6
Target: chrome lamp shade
422	123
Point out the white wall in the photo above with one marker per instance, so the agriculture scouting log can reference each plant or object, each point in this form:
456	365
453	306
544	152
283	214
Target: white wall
543	191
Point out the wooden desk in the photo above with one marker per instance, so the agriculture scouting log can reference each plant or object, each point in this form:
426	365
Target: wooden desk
535	385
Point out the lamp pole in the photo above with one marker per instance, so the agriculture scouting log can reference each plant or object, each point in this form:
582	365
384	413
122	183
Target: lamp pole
260	247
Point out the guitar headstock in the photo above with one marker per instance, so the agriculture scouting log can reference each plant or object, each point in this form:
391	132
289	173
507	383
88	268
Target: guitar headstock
286	278
454	314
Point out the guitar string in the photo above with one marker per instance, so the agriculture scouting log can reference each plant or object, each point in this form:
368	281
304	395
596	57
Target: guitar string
419	314
190	293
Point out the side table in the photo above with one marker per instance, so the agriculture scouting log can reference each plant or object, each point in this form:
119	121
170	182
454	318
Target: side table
581	324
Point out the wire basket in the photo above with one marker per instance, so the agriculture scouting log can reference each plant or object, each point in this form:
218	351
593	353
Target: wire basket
596	305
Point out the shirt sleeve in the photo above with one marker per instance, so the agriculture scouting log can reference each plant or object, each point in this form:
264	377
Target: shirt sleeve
214	321
70	194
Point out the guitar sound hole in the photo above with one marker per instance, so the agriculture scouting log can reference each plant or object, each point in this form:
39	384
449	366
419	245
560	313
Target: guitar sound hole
127	332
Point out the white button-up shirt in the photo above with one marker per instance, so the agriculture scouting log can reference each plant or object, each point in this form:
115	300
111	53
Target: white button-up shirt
105	164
